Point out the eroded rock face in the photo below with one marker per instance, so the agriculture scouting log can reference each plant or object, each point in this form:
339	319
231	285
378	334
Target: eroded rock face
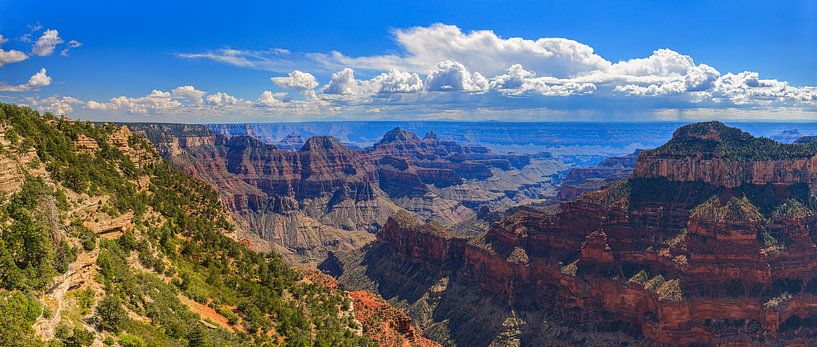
727	157
309	201
717	256
428	244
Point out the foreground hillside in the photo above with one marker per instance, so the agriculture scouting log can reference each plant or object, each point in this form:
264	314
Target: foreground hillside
104	243
711	241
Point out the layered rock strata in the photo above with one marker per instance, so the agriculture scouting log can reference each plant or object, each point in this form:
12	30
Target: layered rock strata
680	253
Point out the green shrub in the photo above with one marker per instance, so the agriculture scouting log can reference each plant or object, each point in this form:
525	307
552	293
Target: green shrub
131	341
110	314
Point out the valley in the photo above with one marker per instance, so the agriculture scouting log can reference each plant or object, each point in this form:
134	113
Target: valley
706	239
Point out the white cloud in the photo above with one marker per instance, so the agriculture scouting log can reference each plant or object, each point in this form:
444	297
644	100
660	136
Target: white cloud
701	77
441	69
747	88
543	87
297	80
342	83
46	43
425	47
490	54
453	76
189	94
156	102
36	81
514	78
268	99
396	81
71	44
663	62
10	56
56	105
223	99
667	88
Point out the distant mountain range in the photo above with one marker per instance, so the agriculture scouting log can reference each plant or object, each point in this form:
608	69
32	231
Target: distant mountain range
604	139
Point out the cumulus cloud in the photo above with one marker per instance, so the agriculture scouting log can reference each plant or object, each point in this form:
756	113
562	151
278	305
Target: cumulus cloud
297	80
267	99
10	56
46	44
747	88
156	102
425	47
189	94
454	76
484	49
441	68
223	99
396	81
343	83
36	81
514	78
57	105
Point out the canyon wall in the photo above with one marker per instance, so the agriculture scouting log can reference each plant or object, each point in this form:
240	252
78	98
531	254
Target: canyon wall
325	196
711	241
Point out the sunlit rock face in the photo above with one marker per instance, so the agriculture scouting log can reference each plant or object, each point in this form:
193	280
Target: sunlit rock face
324	196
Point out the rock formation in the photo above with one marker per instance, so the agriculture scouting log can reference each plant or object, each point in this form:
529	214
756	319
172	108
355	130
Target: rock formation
325	196
711	241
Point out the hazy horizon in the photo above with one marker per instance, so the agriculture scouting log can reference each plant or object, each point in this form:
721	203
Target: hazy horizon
326	61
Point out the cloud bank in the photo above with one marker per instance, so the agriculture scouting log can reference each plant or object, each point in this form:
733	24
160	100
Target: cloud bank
442	70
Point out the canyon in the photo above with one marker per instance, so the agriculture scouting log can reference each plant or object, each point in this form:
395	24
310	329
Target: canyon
326	196
710	241
706	239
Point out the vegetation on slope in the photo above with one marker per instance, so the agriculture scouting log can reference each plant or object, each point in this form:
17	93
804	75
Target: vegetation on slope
716	140
178	237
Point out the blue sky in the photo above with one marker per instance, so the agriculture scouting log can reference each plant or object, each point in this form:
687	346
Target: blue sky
631	60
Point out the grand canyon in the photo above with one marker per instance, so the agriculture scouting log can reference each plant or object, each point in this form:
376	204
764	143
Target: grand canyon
408	173
706	239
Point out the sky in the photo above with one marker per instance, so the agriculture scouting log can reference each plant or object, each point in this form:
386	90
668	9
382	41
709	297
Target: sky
202	61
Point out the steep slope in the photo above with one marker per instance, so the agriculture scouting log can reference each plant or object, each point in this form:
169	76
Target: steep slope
711	241
326	197
105	243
